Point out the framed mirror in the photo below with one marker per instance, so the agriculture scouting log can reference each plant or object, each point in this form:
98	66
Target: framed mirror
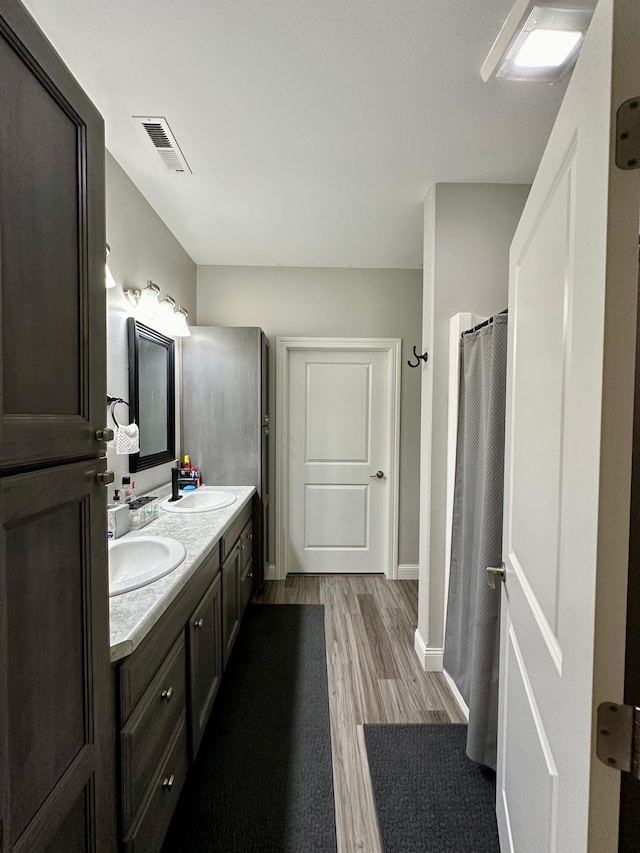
152	395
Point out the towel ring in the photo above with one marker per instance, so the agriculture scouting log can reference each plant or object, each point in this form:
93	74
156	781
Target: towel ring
114	402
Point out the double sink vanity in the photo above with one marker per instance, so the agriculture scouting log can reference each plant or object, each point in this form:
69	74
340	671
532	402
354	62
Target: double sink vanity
189	576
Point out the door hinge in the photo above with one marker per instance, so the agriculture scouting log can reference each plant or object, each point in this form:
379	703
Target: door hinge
618	741
628	134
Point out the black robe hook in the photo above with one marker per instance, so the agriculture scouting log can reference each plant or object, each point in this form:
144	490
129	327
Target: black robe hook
424	357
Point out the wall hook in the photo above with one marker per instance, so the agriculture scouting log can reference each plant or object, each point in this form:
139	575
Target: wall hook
424	357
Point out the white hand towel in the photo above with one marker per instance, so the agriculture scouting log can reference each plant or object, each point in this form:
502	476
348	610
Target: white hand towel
127	439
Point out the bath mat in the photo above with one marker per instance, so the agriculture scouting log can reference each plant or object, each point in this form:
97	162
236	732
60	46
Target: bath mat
263	779
430	798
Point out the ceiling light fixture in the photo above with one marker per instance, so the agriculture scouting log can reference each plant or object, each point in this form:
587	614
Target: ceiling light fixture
546	48
538	41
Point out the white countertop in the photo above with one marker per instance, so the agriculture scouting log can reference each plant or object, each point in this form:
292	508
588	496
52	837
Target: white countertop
133	614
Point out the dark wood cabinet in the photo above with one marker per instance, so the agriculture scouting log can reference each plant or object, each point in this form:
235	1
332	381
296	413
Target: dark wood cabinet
237	553
165	784
56	725
245	571
225	416
204	632
230	604
148	730
57	737
52	254
165	691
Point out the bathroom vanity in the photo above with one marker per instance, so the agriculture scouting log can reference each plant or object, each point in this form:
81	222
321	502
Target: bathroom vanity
170	642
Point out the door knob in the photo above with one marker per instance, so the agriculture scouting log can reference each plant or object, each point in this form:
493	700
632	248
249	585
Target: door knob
105	478
104	434
379	475
493	572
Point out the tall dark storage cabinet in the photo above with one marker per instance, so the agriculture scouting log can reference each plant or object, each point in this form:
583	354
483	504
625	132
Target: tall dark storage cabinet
56	726
225	415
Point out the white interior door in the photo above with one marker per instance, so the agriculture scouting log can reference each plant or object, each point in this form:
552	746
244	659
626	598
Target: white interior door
572	309
339	456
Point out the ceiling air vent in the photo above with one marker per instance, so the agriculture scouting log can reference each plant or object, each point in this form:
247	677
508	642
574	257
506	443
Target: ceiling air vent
158	130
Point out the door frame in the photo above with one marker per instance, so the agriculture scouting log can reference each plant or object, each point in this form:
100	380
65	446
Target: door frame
284	346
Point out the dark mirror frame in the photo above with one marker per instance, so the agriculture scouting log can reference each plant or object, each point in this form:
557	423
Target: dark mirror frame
136	331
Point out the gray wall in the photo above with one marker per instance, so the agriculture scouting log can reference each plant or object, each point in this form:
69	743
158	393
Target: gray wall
468	232
142	248
307	302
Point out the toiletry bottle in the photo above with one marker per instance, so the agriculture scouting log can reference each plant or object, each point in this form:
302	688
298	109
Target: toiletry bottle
126	490
186	463
133	490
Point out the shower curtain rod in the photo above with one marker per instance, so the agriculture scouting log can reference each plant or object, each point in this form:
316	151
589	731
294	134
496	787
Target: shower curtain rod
484	323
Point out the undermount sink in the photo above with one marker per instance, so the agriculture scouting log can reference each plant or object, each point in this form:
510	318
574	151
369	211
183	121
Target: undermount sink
139	560
202	500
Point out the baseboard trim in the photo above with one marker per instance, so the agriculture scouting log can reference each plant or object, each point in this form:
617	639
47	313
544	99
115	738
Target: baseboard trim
408	572
456	694
430	658
271	574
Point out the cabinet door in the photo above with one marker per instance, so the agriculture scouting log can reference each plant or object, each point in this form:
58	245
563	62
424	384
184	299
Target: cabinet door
52	254
205	660
231	569
56	723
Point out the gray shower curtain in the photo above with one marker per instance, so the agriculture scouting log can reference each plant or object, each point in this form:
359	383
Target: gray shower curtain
472	634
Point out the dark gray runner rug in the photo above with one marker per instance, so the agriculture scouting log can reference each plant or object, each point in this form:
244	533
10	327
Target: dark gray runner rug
430	797
263	777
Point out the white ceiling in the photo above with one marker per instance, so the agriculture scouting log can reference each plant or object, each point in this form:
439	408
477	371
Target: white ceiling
313	127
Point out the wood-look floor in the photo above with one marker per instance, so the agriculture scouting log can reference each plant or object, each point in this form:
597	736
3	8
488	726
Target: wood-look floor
374	677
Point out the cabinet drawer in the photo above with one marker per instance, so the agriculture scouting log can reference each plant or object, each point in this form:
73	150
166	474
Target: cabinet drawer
233	533
150	829
134	672
145	736
246	586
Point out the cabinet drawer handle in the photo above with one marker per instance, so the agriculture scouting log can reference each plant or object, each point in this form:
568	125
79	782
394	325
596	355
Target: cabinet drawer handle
249	535
250	575
167	782
198	623
167	694
105	434
105	478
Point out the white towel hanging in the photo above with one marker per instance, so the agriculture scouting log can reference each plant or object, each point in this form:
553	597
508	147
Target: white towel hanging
126	438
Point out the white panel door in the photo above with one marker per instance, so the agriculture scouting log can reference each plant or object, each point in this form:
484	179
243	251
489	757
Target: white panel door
338	442
569	408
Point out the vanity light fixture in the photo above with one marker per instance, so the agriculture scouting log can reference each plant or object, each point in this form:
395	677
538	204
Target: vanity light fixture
146	299
133	295
109	279
540	41
181	327
164	314
167	305
149	303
